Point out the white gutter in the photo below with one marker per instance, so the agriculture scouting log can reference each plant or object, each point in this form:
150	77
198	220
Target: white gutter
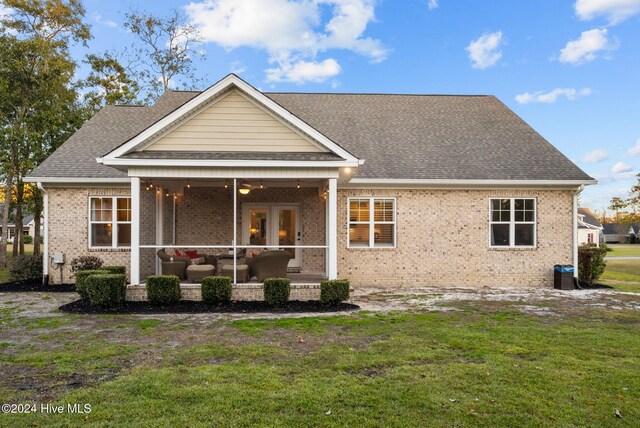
76	180
45	238
225	163
417	182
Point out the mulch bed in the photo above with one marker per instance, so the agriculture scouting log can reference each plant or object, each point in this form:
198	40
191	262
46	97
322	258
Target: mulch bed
191	307
35	286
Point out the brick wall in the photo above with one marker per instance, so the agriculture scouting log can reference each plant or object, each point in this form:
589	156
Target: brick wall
68	229
443	240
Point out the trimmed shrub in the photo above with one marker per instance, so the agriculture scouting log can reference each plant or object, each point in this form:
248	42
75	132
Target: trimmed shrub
216	289
122	270
86	263
163	289
108	290
591	263
24	268
334	292
27	239
81	280
276	291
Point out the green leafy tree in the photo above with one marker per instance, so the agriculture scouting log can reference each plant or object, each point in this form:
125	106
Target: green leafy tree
109	82
38	107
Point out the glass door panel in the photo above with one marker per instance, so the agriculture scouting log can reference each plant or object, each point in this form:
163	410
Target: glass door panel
287	229
258	226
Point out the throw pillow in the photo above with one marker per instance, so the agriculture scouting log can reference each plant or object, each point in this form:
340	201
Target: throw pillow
171	252
197	261
180	253
192	254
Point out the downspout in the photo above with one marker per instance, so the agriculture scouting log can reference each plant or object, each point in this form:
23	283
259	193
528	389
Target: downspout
575	232
45	237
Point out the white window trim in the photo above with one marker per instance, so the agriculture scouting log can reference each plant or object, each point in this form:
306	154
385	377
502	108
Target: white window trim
512	223
114	222
372	221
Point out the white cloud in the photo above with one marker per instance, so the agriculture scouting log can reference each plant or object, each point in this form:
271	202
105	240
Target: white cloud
433	4
635	150
552	96
595	156
304	71
98	19
293	32
484	52
621	167
615	11
586	48
236	67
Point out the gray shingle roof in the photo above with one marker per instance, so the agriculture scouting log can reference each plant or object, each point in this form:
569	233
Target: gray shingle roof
589	218
399	136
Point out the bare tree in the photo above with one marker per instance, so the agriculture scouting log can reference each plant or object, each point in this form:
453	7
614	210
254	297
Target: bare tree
166	52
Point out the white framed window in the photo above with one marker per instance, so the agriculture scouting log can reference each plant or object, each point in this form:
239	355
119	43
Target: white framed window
512	222
109	222
372	222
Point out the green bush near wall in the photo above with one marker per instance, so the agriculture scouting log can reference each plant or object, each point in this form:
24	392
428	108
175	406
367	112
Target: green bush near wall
276	291
163	289
81	279
107	290
216	289
334	292
122	270
25	268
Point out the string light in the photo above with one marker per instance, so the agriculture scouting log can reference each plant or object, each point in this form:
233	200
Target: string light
150	184
175	197
158	190
226	186
298	184
167	194
261	186
188	184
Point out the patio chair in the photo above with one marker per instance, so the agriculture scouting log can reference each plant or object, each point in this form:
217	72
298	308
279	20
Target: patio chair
269	264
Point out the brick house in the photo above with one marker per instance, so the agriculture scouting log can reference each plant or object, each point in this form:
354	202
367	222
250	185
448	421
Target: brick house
385	190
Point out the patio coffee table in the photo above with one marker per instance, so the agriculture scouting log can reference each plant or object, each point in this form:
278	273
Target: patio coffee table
241	269
196	273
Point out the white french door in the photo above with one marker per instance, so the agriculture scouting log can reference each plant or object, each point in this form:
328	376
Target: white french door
271	225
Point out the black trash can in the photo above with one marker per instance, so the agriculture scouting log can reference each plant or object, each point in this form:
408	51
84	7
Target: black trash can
563	277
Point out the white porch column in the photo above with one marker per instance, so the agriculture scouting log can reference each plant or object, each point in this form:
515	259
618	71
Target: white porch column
332	227
235	229
135	231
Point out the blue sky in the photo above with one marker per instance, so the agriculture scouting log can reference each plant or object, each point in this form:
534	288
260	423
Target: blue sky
569	68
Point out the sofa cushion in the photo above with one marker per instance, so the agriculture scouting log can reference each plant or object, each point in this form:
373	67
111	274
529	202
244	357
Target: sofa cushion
171	252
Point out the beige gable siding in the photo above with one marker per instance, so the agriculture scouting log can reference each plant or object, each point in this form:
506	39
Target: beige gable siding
234	124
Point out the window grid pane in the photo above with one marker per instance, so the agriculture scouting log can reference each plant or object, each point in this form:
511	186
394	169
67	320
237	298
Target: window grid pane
101	226
371	229
517	216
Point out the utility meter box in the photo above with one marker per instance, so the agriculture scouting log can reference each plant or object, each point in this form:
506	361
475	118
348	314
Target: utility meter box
57	258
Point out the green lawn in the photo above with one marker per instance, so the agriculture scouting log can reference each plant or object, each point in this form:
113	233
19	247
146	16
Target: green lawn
621	250
4	273
482	364
623	275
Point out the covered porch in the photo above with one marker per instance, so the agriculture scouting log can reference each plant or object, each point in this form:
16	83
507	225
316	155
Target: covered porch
221	215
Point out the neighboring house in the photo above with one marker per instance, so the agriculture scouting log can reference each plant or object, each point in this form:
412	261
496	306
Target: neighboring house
589	227
28	228
385	190
620	233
